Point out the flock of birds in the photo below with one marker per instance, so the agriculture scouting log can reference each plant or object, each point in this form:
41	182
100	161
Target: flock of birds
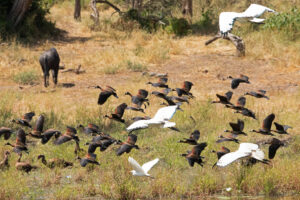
249	151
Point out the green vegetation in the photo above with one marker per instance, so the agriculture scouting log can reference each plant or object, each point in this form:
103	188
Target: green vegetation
26	77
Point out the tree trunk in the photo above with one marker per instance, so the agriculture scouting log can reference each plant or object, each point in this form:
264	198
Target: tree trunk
187	7
237	41
77	10
95	14
18	11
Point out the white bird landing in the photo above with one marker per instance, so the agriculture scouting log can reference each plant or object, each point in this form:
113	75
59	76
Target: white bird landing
227	19
141	170
162	117
245	150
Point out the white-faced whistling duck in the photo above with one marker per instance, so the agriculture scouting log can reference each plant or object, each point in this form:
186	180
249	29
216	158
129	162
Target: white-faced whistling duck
141	170
220	153
236	81
194	155
274	145
246	150
20	144
24	166
162	117
26	118
128	145
194	137
6	132
161	83
38	128
55	162
237	128
266	125
140	99
169	101
4	163
229	138
185	89
224	99
118	114
90	157
240	104
246	112
103	141
67	136
46	136
281	129
105	94
258	94
91	129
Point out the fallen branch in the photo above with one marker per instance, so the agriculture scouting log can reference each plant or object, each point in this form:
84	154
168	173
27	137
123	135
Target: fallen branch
111	5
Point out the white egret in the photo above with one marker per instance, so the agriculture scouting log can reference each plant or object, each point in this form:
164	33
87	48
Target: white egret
245	150
162	117
141	170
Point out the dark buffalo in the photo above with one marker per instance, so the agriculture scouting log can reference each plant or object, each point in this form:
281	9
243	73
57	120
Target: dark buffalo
49	60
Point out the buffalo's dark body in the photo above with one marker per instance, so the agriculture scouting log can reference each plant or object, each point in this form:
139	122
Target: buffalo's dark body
49	60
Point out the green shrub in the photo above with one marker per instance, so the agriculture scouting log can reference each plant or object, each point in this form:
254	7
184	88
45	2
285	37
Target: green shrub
204	24
178	26
26	78
287	22
136	67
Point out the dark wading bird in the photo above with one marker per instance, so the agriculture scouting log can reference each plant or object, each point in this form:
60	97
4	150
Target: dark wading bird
220	153
128	145
194	155
6	132
266	125
4	163
55	162
236	81
20	144
224	99
258	94
246	112
49	60
161	83
38	128
168	99
229	138
24	166
281	129
26	118
194	137
237	128
105	94
185	89
118	114
240	104
91	129
90	156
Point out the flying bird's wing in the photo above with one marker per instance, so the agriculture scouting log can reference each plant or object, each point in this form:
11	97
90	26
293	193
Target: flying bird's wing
226	21
230	158
255	10
165	113
140	124
136	166
148	165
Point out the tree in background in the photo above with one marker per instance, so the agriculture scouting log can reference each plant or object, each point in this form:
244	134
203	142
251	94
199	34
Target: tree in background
18	11
77	10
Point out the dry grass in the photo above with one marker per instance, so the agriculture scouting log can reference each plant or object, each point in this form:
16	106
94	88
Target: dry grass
104	54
